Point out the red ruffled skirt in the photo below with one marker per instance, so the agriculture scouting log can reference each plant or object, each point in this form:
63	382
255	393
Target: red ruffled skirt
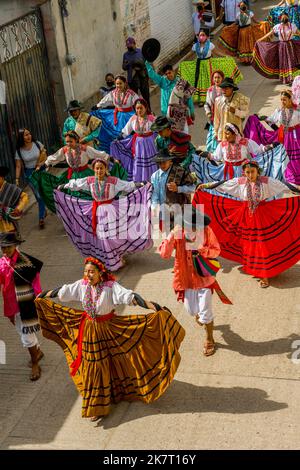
265	243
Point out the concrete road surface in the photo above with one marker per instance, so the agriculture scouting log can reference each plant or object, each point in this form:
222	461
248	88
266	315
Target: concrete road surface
246	396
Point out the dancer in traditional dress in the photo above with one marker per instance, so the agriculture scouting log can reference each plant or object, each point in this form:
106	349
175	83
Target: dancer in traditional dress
106	227
172	186
114	119
178	108
12	203
261	235
198	72
84	124
111	357
290	7
278	59
30	156
209	107
136	148
20	283
194	242
239	39
285	122
178	143
230	108
232	152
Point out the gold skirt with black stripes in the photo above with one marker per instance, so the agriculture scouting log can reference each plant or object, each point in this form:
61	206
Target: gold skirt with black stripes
133	357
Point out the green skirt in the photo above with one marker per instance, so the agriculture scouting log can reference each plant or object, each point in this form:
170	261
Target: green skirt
187	71
46	183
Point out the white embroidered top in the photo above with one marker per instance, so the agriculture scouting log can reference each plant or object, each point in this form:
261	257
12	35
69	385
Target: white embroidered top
226	152
73	157
291	118
211	48
250	15
108	189
138	125
108	300
118	99
285	33
237	187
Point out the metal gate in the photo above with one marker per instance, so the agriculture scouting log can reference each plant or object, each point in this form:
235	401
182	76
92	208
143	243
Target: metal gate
29	99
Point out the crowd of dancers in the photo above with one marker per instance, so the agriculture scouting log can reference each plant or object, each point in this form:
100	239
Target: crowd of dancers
125	168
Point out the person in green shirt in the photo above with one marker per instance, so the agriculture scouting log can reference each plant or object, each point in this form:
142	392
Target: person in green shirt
166	83
84	124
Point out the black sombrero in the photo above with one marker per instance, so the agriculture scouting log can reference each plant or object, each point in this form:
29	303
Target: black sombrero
151	49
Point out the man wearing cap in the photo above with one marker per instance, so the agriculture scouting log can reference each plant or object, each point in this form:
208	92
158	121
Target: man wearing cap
176	142
202	17
12	203
172	185
84	124
231	107
134	64
20	283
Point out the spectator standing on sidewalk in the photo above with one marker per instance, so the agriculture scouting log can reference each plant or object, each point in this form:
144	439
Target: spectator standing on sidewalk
134	64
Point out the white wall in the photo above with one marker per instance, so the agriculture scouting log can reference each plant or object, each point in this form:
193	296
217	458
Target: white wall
94	38
171	24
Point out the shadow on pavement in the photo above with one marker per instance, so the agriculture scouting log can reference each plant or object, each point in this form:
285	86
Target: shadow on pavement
184	397
254	349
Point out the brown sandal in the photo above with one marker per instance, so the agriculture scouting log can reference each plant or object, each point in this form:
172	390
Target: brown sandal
209	348
36	375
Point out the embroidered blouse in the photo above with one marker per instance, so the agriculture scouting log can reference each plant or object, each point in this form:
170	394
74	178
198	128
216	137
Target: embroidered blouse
244	20
137	125
202	49
237	187
285	33
75	158
212	93
112	295
287	117
226	152
107	190
119	99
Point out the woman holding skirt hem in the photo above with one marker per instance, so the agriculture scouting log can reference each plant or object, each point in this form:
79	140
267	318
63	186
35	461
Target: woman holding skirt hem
111	357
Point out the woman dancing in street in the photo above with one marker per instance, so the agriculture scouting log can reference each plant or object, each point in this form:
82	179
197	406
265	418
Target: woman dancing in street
111	357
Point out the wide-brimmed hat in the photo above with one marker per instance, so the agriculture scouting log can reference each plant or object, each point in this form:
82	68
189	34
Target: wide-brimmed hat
73	105
4	171
195	219
151	49
164	156
10	239
161	123
228	83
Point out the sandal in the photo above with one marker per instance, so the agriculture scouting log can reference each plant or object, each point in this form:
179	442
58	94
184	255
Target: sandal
209	348
197	318
40	356
37	374
93	419
264	283
41	224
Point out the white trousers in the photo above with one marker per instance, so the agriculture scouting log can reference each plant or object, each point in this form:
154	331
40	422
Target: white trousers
199	302
29	340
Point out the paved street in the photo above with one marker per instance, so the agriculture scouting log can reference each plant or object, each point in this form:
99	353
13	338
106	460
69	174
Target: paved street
246	396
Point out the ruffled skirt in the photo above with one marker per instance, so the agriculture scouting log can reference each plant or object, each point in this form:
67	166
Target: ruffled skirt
123	226
108	130
139	167
131	358
265	243
187	70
